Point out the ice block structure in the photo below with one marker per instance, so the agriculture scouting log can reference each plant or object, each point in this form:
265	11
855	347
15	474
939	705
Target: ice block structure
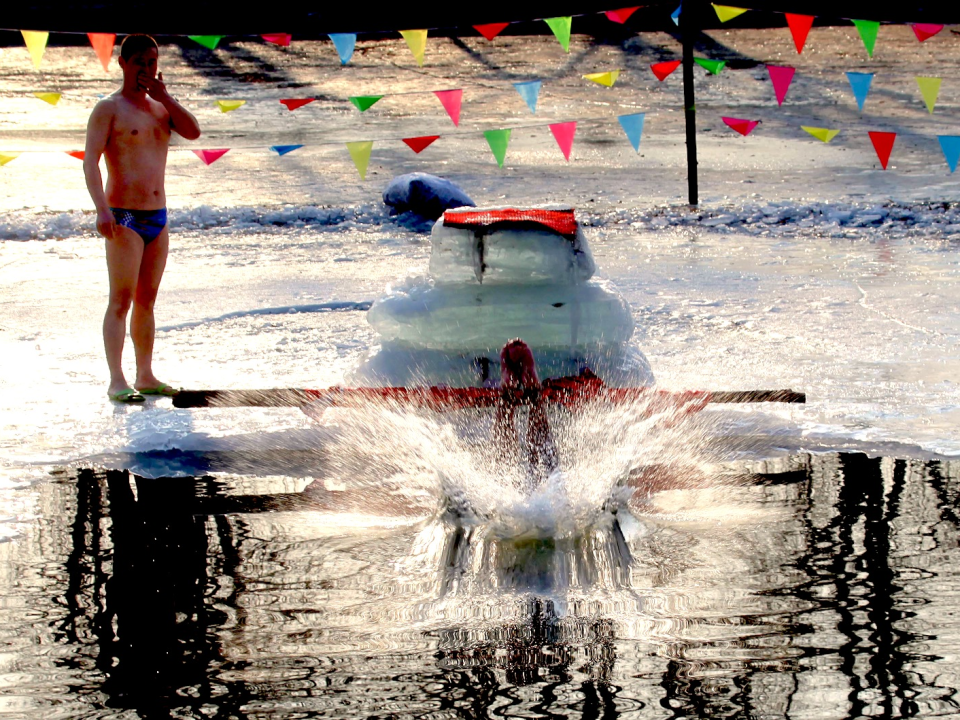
496	274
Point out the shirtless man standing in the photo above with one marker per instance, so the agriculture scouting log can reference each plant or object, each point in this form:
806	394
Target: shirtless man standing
132	129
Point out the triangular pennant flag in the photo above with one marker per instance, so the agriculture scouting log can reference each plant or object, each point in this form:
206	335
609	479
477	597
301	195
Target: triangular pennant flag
417	144
929	89
607	79
633	126
744	127
344	43
490	30
284	149
860	84
821	134
725	12
868	33
530	92
78	154
712	66
417	42
664	69
103	46
563	133
365	102
6	157
498	141
282	39
675	15
950	144
925	31
230	105
360	152
210	156
208	41
294	103
451	99
48	97
781	77
621	15
36	43
883	144
560	26
799	28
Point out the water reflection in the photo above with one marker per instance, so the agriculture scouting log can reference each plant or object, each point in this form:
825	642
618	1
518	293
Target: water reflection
829	596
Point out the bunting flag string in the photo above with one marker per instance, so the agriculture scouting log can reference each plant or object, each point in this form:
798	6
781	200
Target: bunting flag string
822	134
781	77
560	27
675	15
281	39
799	29
740	125
607	79
365	102
860	84
208	41
6	157
451	101
498	141
36	42
868	33
294	103
711	66
284	149
883	144
417	42
633	126
360	153
563	133
929	90
490	30
102	44
622	15
950	145
344	44
211	156
726	12
52	98
419	144
664	69
230	105
530	92
925	31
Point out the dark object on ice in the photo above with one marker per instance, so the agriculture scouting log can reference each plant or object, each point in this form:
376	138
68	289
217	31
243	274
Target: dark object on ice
424	195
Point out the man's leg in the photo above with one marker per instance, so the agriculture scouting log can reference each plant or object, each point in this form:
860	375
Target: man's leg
124	252
142	324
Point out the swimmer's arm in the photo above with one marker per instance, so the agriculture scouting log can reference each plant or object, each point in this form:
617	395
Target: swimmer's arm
182	120
98	134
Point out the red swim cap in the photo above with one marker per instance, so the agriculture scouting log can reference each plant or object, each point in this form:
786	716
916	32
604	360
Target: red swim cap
517	366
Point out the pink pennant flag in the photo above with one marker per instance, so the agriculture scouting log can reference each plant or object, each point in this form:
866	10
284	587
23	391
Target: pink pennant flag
282	39
799	28
78	154
490	30
103	46
621	15
781	77
294	103
663	69
418	144
883	144
925	31
210	156
451	100
563	133
744	127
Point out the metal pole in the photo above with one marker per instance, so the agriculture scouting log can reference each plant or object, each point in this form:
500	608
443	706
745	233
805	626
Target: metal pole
687	33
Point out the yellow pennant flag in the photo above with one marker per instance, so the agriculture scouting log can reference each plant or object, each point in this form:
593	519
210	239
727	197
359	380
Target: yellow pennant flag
821	134
726	12
930	89
49	97
360	152
606	79
36	43
228	105
417	42
6	157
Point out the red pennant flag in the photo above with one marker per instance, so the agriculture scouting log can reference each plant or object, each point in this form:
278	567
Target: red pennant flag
417	144
490	30
799	27
451	100
925	31
563	133
294	103
210	156
781	77
78	154
282	39
744	127
103	46
663	69
883	144
621	15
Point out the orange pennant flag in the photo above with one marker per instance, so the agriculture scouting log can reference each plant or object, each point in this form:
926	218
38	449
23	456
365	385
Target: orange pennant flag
103	46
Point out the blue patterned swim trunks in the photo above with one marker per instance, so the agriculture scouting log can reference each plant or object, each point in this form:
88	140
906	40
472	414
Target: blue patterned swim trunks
148	224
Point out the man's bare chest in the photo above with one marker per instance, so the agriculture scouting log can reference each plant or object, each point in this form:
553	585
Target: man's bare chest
134	128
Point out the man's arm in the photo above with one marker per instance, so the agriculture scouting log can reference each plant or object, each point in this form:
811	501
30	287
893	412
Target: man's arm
182	120
98	134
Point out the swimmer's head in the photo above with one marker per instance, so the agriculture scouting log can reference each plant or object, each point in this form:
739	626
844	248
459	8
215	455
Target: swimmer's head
517	366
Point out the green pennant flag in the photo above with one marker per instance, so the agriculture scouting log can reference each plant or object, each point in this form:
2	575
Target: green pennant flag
360	152
498	141
365	102
561	29
868	33
712	66
208	41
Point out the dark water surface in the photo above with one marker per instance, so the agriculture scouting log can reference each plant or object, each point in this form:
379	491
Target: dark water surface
815	587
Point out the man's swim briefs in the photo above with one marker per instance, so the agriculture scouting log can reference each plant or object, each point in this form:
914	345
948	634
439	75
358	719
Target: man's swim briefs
148	224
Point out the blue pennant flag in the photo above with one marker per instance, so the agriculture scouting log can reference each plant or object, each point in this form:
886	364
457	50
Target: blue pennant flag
860	83
675	15
284	149
633	126
950	144
530	92
344	43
